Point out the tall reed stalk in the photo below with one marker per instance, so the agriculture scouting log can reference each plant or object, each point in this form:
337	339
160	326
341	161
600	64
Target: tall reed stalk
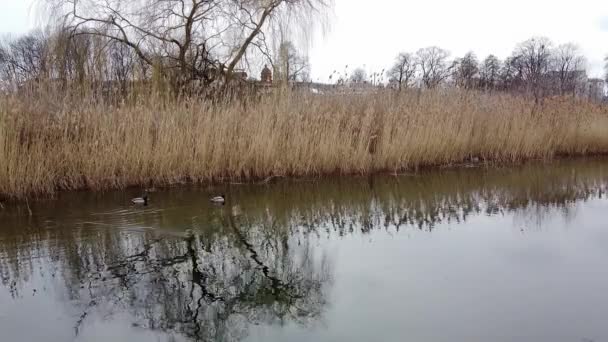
50	142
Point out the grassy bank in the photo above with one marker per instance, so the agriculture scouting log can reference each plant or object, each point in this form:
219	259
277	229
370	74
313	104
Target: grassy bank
50	143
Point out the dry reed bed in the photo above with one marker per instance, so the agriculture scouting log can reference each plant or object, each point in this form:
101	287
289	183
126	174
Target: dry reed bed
53	143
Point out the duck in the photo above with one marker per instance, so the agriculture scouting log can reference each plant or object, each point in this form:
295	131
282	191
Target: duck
141	200
218	199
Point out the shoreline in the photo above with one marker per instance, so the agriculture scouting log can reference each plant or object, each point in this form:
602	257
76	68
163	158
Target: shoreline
7	199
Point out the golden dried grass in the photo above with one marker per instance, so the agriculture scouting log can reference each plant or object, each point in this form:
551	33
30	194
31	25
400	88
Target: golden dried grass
50	143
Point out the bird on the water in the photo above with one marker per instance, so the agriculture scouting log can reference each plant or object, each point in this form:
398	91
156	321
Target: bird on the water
141	200
218	199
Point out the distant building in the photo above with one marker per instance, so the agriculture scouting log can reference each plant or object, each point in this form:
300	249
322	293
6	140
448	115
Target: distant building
577	84
266	76
595	89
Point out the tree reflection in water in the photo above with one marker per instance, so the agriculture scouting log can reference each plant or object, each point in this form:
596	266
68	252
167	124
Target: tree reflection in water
212	287
209	273
206	284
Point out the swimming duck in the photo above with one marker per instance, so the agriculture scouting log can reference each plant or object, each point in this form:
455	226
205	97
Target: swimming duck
141	200
218	199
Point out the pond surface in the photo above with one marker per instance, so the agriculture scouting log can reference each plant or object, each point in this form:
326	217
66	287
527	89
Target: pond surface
512	254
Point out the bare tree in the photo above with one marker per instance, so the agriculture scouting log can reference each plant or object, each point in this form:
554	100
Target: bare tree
433	62
358	76
533	56
489	73
122	64
568	67
511	78
195	39
24	58
404	70
290	65
466	71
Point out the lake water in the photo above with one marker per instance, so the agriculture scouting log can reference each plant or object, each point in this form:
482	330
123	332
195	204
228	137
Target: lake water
510	254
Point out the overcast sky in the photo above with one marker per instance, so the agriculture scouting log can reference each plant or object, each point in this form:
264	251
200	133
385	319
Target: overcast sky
371	33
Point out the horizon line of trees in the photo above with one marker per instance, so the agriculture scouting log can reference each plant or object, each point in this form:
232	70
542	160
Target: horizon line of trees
76	53
536	67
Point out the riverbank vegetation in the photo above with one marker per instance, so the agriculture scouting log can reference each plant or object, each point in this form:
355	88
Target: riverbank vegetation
50	142
158	92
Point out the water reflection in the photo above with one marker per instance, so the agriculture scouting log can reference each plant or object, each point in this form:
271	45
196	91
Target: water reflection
206	284
197	272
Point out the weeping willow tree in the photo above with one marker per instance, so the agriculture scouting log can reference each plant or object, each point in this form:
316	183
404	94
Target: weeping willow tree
205	40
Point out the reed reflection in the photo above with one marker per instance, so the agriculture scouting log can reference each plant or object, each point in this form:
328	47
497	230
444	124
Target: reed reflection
208	273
